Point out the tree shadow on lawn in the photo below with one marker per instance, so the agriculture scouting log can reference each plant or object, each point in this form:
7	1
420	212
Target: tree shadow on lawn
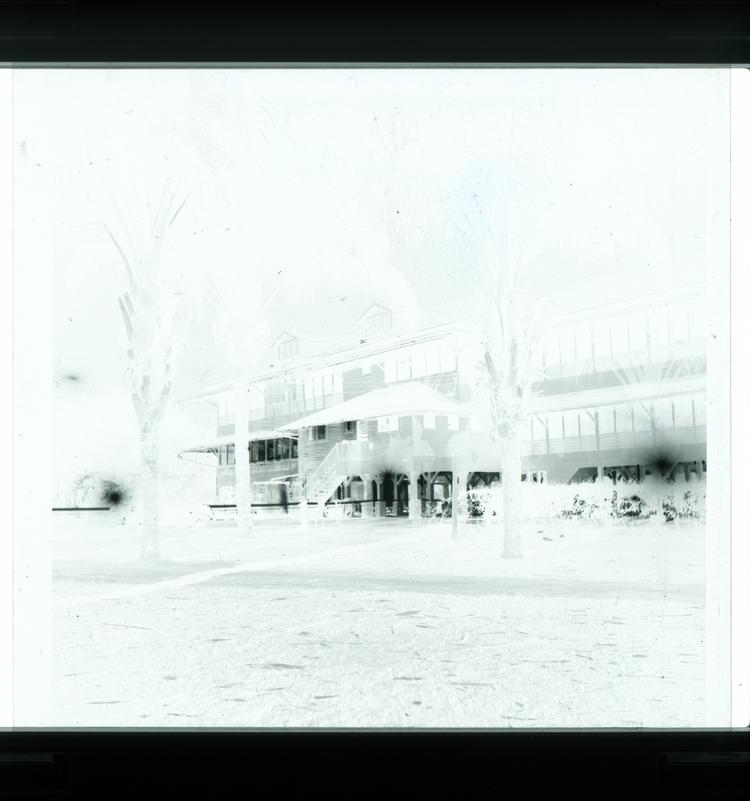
136	572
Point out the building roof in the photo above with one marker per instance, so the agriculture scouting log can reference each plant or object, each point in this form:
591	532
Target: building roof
397	400
339	355
230	439
283	336
375	308
619	393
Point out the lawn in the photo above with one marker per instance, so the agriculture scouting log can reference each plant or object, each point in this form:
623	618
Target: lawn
380	623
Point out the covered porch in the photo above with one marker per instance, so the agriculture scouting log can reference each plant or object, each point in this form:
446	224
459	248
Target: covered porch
403	458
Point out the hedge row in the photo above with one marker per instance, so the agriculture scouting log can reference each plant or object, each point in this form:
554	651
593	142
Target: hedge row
598	501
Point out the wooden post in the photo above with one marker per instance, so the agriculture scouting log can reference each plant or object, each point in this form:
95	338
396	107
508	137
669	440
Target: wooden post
366	491
454	500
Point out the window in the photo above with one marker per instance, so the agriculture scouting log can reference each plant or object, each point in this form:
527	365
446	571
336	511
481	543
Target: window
350	426
317	433
567	343
537	358
551	350
606	419
432	359
570	424
624	418
417	362
447	358
638	331
583	343
619	330
387	424
601	340
429	421
699	410
678	326
294	449
452	422
555	424
289	347
587	423
277	392
403	367
257	400
378	323
658	328
390	369
663	414
641	417
230	454
683	412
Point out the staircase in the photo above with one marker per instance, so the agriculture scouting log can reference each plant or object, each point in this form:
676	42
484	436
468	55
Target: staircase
339	463
322	483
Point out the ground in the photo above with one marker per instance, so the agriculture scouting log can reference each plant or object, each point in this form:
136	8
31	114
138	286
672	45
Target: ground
380	623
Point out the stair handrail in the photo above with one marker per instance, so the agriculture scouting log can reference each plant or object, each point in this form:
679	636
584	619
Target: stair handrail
322	471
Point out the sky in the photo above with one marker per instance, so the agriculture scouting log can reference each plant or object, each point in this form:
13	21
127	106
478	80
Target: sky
339	187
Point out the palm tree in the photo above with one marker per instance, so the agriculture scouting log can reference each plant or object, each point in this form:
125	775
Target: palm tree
154	317
511	327
237	315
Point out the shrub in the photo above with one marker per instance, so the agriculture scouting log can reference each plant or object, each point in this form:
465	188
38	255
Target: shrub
631	506
689	505
597	501
579	508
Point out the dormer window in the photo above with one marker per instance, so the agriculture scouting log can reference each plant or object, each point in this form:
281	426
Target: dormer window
376	320
287	345
378	323
288	348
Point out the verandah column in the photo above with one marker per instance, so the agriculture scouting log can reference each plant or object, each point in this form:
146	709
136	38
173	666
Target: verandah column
415	506
415	511
366	492
381	503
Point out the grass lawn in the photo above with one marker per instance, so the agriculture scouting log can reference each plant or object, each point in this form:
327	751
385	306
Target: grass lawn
380	623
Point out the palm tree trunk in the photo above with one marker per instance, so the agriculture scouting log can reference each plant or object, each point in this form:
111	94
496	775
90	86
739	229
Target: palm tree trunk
511	483
149	443
242	486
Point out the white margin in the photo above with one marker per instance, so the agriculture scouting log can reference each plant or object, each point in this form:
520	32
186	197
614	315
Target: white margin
718	599
33	341
740	393
6	397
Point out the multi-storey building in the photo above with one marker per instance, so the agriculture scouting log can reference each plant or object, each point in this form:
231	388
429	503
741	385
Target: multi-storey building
620	392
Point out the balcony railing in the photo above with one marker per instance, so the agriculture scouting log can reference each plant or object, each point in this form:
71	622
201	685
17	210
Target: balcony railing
281	411
616	441
641	356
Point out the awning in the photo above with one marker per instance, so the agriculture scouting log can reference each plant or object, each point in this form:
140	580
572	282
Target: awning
399	400
619	393
229	439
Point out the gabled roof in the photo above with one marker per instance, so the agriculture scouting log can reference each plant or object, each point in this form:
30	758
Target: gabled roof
376	308
230	439
409	398
341	355
284	335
